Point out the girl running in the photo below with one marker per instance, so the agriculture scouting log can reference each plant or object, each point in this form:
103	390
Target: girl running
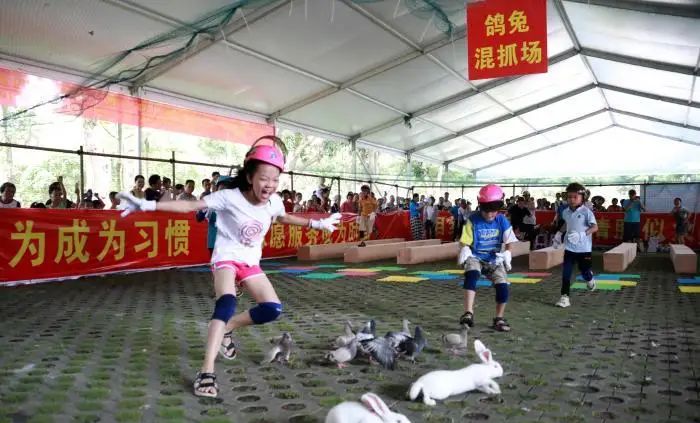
244	215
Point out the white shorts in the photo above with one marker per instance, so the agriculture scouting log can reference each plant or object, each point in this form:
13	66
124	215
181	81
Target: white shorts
366	223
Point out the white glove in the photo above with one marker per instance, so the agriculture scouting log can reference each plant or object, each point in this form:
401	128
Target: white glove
576	237
506	258
130	204
464	254
556	242
328	224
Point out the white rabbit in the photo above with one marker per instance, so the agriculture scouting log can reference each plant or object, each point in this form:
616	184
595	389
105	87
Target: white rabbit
371	410
441	384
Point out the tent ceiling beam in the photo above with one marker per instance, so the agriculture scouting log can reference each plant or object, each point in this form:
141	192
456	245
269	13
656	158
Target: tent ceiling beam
527	136
654	134
649	95
687	9
499	119
551	101
577	45
364	76
569	122
638	61
654	119
234	26
539	150
463	95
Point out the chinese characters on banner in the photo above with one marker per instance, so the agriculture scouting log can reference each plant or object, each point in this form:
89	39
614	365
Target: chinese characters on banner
506	37
40	244
45	244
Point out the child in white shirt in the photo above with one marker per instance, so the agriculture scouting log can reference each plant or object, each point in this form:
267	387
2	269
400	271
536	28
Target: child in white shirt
244	215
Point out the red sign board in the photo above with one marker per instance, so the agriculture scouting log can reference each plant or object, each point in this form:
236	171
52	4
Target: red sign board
506	37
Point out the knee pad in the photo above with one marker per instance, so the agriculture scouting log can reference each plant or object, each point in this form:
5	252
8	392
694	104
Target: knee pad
470	279
265	312
225	308
501	293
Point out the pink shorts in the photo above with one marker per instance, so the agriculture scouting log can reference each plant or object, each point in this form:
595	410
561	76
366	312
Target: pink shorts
243	271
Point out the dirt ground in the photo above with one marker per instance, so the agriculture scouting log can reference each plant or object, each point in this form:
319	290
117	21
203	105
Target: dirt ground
125	348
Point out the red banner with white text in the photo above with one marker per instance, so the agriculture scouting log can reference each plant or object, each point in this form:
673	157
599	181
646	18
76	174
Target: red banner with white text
506	37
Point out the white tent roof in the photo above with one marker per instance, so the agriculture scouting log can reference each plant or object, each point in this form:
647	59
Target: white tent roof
618	71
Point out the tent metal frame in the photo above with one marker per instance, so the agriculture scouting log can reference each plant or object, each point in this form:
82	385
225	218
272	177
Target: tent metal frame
689	9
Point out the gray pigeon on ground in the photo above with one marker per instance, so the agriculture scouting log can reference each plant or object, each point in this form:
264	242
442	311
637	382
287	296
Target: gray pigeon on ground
343	355
399	337
369	331
281	350
345	339
413	346
382	351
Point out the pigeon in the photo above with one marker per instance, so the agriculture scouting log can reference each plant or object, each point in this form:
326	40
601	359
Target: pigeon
368	332
345	339
281	350
399	337
343	355
455	341
382	351
413	346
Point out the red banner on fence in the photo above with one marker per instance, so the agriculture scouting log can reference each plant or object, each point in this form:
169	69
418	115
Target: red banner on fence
37	244
506	37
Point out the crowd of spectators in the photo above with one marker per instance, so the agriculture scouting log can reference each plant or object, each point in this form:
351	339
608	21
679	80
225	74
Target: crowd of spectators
521	210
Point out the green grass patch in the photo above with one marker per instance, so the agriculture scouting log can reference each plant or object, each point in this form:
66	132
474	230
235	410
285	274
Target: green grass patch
511	411
216	420
55	396
215	412
71	370
330	401
50	407
169	401
313	383
41	418
137	367
86	418
287	395
128	416
546	408
89	406
14	397
170	412
101	375
322	392
95	393
133	393
136	383
418	406
131	403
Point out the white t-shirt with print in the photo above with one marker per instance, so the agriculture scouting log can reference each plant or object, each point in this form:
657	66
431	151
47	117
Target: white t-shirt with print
241	226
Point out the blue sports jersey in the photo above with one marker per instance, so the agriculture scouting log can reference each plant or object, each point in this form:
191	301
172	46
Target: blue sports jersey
486	238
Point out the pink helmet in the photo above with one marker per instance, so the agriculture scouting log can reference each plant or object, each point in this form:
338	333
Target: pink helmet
490	193
269	154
